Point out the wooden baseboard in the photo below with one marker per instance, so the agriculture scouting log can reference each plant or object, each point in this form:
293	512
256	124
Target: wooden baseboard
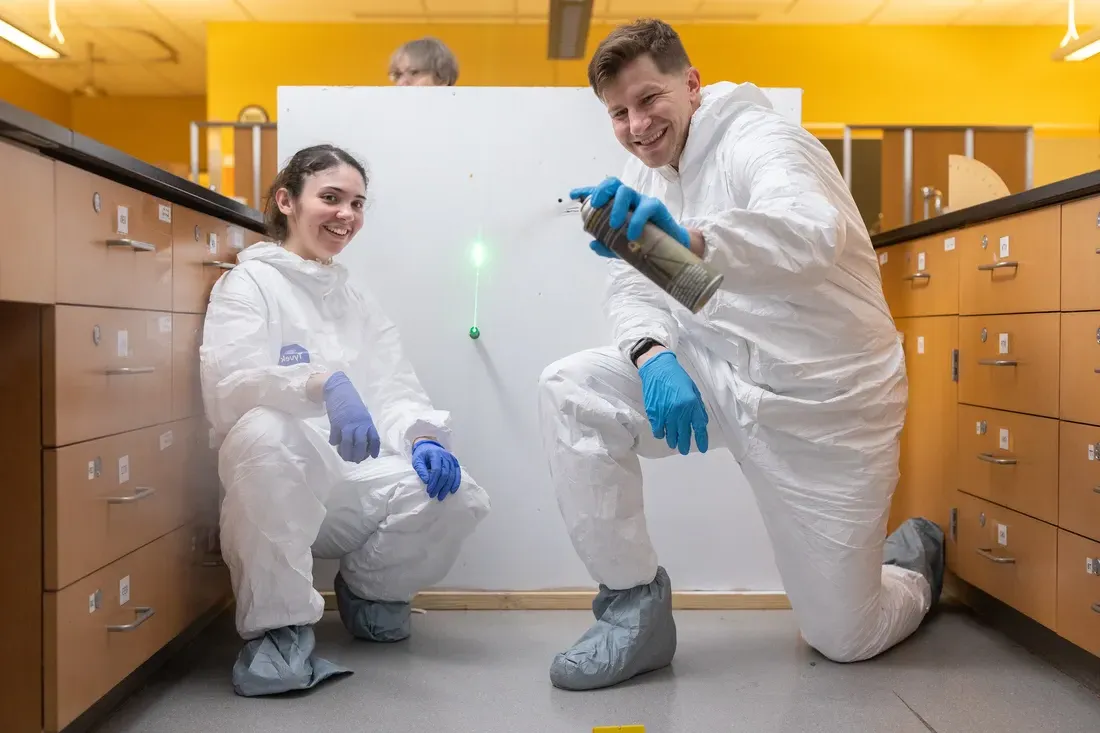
580	600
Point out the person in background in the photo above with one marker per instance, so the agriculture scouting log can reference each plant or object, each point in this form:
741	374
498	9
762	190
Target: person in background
425	62
794	366
330	447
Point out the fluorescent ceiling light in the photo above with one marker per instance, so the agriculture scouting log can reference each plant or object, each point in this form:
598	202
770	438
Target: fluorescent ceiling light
22	41
1079	49
569	21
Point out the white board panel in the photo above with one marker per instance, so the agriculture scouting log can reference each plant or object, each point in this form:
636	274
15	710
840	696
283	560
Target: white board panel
453	166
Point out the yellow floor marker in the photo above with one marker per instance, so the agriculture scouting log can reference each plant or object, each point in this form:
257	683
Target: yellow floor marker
619	729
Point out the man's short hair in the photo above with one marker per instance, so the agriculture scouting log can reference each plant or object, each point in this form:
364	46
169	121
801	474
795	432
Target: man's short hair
631	41
431	55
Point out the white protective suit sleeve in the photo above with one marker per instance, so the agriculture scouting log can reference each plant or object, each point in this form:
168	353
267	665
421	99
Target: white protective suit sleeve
238	370
392	392
637	309
791	233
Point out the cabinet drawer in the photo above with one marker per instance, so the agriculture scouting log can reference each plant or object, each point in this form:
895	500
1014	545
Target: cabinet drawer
921	278
114	243
101	628
1080	366
1079	479
107	497
1019	568
28	238
105	371
1081	255
208	582
1010	459
1079	591
1020	375
201	253
1011	265
186	387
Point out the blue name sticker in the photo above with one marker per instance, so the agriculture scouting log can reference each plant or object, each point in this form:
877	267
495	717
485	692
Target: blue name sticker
292	354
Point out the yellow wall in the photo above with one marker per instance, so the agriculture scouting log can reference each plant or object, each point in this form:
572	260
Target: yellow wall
153	129
23	90
853	74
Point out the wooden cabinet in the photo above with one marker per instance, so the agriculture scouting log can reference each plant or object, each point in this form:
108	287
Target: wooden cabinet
28	236
1011	265
1012	557
1010	362
201	253
111	487
1013	448
1081	255
927	461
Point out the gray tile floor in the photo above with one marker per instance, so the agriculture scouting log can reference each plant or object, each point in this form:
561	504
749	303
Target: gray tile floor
734	671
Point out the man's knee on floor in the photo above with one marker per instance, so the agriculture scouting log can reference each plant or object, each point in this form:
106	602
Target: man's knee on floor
841	643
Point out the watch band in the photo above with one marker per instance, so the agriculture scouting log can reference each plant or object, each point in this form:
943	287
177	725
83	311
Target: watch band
641	347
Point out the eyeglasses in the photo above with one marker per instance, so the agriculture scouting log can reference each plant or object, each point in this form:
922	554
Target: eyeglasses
397	75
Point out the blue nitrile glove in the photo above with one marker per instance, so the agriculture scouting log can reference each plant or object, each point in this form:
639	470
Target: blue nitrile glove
437	468
673	403
350	425
646	209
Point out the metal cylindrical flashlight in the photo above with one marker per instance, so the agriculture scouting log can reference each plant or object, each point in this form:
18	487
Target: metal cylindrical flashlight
669	264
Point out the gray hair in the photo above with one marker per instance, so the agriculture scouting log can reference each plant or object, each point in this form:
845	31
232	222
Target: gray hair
428	54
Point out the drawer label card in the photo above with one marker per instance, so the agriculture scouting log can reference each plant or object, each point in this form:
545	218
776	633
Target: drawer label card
1003	438
1002	343
883	258
236	239
212	243
164	213
979	427
95	601
1092	451
123	224
1004	246
949	244
1002	535
166	440
213	439
123	344
920	344
124	591
920	262
123	469
1092	566
164	323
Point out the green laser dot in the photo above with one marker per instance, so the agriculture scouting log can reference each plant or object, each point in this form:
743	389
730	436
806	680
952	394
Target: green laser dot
475	332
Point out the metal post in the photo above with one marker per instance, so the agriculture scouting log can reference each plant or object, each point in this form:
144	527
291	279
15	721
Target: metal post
969	150
256	151
907	183
1029	171
194	152
847	157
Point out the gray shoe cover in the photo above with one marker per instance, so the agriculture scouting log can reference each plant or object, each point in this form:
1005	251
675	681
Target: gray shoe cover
634	633
281	661
372	620
918	544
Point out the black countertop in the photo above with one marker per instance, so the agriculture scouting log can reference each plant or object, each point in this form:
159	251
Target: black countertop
61	143
1078	187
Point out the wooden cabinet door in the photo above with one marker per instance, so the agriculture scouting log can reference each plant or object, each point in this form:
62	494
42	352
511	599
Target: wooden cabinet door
929	439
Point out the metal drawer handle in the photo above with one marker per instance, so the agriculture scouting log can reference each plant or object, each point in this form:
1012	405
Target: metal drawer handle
219	265
140	493
918	276
988	555
144	614
998	362
1096	489
132	244
213	563
1098	250
1096	606
990	458
999	265
1096	370
132	370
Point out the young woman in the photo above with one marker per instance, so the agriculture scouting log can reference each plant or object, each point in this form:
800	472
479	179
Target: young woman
330	448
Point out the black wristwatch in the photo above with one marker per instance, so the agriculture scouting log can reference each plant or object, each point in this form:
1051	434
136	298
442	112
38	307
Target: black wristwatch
641	347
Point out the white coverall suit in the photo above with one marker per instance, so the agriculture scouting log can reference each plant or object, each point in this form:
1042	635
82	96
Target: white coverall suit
797	360
272	323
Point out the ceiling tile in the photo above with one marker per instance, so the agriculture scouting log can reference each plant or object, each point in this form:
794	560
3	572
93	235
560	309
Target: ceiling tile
901	12
200	10
470	7
826	12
